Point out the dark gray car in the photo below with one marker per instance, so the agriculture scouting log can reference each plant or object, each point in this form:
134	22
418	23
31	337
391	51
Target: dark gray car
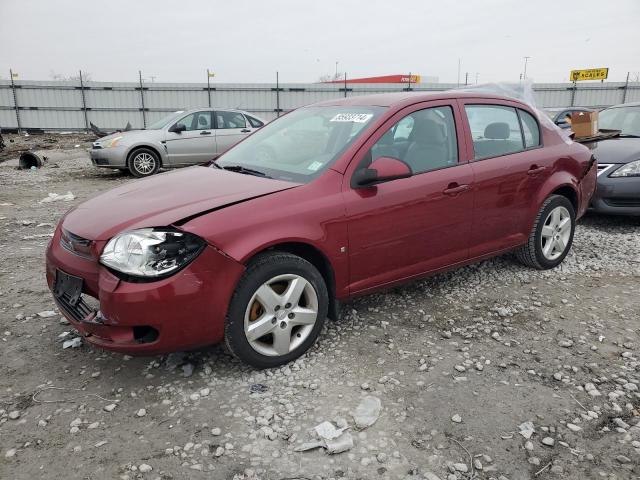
618	190
179	139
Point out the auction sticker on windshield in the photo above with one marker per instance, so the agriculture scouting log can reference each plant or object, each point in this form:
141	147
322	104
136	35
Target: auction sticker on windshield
352	117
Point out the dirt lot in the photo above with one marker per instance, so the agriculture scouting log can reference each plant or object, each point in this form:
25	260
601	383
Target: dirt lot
460	363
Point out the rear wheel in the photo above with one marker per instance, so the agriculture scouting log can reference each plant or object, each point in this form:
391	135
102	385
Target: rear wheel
277	311
143	162
552	234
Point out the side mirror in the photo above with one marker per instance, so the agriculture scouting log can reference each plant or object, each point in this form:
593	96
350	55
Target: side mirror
382	169
177	128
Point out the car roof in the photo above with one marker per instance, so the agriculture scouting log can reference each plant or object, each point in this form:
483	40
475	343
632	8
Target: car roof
211	109
400	99
630	104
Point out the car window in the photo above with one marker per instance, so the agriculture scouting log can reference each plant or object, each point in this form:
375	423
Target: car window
196	121
255	123
495	130
530	129
230	120
425	140
300	145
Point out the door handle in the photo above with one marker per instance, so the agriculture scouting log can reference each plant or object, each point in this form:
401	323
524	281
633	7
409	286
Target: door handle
454	189
205	133
535	170
245	130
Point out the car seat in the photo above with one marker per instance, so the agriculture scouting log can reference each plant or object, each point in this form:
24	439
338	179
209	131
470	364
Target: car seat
428	149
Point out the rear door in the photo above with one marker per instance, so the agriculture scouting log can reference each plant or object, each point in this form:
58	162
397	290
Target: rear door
403	228
510	165
197	144
231	127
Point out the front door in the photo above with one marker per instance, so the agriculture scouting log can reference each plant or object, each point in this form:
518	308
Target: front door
231	127
407	227
196	144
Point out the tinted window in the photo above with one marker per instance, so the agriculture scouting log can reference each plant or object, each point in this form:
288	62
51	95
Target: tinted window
255	123
425	140
495	130
530	129
196	121
230	120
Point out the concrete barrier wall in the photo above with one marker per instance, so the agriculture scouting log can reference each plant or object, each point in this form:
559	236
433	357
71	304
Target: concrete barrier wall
68	105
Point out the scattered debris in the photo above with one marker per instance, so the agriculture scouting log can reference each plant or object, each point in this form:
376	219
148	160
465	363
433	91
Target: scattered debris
73	343
54	197
367	412
527	429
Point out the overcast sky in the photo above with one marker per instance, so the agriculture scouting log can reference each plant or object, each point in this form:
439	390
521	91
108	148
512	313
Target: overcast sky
247	41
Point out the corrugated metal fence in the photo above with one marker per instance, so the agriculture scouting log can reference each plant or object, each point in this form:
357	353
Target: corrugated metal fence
70	105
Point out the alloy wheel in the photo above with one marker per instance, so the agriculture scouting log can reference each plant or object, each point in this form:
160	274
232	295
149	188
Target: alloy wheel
556	232
281	315
144	163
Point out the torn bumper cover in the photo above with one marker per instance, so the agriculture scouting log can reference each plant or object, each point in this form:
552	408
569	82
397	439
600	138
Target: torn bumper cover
142	318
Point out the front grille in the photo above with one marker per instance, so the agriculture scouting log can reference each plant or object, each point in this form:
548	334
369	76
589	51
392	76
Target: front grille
78	311
76	244
604	167
101	161
622	202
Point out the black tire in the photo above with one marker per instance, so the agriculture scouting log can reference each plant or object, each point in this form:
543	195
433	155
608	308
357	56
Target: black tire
263	268
149	155
531	253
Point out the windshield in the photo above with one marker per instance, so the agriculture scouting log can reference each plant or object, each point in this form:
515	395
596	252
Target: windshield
164	121
301	145
626	119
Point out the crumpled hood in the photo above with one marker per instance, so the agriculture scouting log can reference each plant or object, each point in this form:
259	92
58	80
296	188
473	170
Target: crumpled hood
164	199
616	150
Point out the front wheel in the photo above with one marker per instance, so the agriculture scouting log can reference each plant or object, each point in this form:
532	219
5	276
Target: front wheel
277	310
143	162
552	234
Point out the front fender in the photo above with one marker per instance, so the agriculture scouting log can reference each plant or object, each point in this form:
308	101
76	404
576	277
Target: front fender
156	146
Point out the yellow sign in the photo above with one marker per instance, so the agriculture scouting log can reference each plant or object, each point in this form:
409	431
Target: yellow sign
590	74
211	74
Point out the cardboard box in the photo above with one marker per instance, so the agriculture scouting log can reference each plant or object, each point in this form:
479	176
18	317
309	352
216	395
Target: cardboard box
584	124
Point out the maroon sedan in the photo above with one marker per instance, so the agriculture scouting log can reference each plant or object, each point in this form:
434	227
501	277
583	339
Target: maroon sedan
328	202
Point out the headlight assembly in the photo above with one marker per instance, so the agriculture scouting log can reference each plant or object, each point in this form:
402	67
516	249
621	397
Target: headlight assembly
151	253
631	169
112	143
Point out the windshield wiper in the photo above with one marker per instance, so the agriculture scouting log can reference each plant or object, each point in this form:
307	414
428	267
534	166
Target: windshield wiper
244	170
628	135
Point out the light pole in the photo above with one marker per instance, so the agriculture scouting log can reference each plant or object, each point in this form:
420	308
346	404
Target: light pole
526	60
336	75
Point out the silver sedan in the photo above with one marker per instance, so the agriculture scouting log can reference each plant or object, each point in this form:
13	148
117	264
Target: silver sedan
180	139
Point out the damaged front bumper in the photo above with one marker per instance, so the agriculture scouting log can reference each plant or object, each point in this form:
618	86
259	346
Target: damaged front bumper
184	311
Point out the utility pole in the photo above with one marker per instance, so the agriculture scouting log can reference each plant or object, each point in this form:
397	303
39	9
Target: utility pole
526	60
626	87
466	78
277	94
477	75
144	115
84	103
458	72
209	86
345	84
335	77
15	101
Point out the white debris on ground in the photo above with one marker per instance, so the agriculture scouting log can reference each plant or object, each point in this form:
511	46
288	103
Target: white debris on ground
54	197
493	371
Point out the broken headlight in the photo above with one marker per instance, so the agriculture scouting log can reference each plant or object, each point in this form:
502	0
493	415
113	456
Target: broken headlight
631	169
151	252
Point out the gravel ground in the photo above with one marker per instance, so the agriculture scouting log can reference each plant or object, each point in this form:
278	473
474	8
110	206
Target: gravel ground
491	371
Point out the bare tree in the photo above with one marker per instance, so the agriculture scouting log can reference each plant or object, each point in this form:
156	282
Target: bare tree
86	76
331	77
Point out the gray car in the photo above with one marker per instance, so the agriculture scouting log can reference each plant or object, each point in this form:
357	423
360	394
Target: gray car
180	139
618	191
